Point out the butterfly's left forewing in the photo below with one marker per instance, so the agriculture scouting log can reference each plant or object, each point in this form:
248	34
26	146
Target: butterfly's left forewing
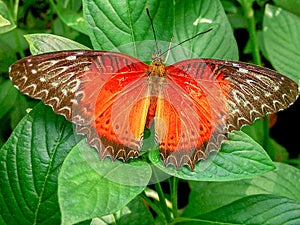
94	90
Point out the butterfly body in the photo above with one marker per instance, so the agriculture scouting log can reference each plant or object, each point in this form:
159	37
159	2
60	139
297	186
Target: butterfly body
112	97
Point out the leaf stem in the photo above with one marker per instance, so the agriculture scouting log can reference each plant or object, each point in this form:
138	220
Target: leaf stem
249	15
253	39
15	12
155	208
174	195
15	32
162	199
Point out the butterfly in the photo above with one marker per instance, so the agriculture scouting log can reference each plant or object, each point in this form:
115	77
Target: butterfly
192	104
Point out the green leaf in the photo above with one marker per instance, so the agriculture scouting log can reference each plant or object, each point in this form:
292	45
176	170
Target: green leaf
240	157
30	163
207	196
115	23
71	17
292	5
42	43
90	187
200	16
135	213
7	53
281	38
256	209
129	24
139	214
19	110
6	21
257	132
8	96
3	21
8	47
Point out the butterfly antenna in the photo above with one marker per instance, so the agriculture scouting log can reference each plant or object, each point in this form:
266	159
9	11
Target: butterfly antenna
168	51
186	40
153	30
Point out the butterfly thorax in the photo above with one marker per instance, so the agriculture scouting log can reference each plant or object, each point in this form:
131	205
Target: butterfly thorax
157	69
157	66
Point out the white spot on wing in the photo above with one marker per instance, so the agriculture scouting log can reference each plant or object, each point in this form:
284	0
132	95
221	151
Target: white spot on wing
54	84
246	103
236	65
74	101
71	57
242	70
76	86
42	79
267	94
65	92
33	71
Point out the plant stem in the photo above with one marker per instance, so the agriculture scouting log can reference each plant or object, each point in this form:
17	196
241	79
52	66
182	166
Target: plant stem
15	32
249	15
155	208
174	195
253	39
162	199
15	6
266	132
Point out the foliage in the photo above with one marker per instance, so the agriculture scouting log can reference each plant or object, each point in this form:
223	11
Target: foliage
48	175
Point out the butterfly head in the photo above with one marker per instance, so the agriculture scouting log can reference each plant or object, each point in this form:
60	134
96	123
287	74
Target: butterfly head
157	57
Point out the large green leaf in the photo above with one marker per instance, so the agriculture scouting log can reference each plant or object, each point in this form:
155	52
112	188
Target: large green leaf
42	43
115	23
208	196
290	5
91	188
257	131
281	38
30	163
255	209
240	157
